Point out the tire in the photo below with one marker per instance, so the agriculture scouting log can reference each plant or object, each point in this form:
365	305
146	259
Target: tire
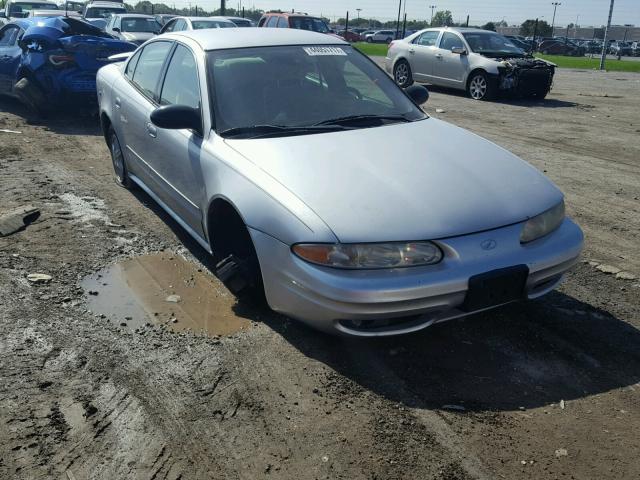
402	74
389	40
369	40
238	267
117	159
31	95
480	87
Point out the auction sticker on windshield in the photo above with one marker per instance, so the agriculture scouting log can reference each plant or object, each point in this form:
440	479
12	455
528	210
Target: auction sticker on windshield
315	51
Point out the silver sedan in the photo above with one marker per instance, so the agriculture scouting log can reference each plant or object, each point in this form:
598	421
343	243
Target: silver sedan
318	184
483	63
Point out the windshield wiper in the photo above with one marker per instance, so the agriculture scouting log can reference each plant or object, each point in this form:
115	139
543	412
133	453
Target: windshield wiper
364	118
261	131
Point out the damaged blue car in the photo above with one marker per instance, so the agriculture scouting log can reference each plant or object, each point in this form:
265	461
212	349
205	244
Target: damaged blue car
45	62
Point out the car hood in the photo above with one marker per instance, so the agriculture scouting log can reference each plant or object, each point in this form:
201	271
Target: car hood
421	180
137	37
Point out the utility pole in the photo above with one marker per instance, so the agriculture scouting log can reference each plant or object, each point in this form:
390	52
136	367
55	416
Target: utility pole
535	34
223	7
467	20
398	22
358	10
432	7
553	22
603	56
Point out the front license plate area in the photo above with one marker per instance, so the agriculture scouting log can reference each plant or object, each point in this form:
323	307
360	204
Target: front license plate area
495	288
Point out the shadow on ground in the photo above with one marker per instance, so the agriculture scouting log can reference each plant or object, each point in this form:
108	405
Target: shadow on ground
520	102
527	355
73	119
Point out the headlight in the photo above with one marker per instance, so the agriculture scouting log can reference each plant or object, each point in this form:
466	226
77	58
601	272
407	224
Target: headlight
542	224
369	255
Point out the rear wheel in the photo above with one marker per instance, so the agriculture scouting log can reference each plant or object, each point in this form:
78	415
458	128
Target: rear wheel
480	87
369	39
402	74
389	40
117	158
31	95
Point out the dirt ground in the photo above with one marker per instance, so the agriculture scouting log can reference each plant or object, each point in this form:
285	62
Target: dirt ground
547	389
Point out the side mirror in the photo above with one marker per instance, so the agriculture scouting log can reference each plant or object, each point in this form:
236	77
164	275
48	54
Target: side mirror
116	29
177	117
418	93
459	50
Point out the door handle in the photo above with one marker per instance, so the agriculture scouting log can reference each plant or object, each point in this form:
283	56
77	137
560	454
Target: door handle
438	56
116	103
412	51
151	130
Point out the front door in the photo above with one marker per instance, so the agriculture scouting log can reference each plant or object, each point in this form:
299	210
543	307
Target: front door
174	155
450	68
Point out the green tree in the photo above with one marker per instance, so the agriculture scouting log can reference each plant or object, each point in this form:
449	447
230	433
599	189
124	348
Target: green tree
442	18
528	27
489	26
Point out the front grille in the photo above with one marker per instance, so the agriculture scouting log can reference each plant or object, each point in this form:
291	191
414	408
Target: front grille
534	81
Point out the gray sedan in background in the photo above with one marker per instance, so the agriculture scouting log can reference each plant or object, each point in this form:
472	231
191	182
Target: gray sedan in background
320	185
480	62
134	28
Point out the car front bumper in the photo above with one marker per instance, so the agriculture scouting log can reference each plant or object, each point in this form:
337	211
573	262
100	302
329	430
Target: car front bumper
390	302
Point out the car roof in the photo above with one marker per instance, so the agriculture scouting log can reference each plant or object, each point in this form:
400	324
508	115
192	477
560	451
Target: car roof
34	1
215	19
223	38
134	15
101	3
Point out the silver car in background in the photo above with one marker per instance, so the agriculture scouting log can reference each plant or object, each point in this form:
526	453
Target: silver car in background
179	24
318	184
481	62
133	27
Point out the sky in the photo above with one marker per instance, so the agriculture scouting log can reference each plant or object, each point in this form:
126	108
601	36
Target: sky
587	12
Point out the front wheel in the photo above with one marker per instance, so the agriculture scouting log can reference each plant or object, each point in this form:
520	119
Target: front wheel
402	74
480	87
117	158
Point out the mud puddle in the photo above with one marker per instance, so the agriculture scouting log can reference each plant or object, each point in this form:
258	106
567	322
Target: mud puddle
164	289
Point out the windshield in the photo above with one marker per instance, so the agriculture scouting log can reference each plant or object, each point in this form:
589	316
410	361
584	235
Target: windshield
298	86
99	12
18	9
133	24
489	42
308	23
200	24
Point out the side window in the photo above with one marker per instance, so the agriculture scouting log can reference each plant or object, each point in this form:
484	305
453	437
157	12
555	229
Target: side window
131	66
364	85
271	23
181	85
427	39
9	36
180	25
283	23
169	26
149	65
450	40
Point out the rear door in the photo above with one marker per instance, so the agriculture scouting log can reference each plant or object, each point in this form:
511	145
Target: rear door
450	68
136	96
422	54
10	54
